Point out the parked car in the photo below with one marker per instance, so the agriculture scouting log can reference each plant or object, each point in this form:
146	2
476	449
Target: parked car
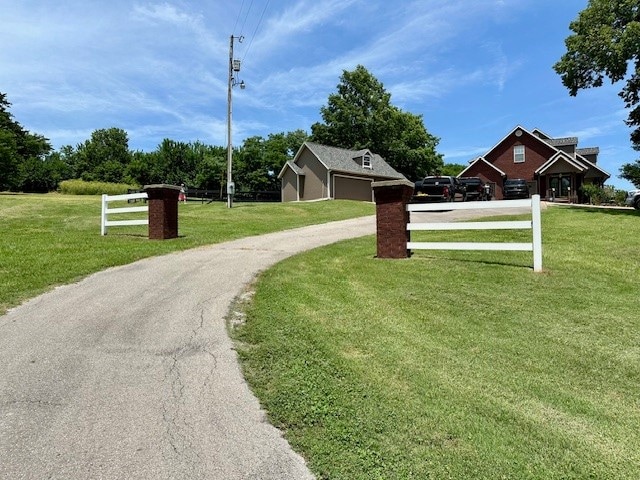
633	199
437	189
515	188
474	188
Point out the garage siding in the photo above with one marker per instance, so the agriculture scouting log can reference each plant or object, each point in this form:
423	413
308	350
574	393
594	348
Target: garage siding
315	186
289	187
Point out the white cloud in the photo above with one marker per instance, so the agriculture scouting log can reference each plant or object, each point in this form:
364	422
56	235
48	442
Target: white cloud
464	154
159	68
165	12
599	125
300	18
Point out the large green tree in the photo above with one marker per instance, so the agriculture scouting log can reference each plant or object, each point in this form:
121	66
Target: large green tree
606	44
104	157
631	172
258	161
43	175
211	173
360	115
9	160
17	148
452	169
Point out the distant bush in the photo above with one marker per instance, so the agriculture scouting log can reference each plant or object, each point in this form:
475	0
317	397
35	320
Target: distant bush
593	193
619	197
81	187
603	195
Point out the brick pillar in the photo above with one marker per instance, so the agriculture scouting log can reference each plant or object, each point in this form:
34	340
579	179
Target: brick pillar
392	217
163	211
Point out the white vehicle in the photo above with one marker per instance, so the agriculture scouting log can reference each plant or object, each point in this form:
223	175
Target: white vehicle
633	199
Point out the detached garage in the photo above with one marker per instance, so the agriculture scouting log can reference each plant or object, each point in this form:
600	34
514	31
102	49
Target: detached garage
319	172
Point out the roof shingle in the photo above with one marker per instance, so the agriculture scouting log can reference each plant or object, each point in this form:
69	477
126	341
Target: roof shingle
346	161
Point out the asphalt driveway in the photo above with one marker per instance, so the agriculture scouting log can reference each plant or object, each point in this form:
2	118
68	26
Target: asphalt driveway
130	373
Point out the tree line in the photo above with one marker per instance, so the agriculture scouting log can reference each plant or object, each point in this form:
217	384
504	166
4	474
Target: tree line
29	164
360	115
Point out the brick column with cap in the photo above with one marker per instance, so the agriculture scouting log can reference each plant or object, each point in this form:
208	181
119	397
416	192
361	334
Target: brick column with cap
392	217
163	211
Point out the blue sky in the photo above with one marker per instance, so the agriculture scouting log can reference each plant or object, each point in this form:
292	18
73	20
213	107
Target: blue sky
158	69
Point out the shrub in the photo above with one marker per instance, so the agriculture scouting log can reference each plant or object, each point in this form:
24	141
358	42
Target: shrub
619	197
81	187
593	192
607	194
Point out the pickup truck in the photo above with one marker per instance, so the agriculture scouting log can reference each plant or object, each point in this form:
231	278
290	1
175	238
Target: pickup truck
515	188
633	199
474	189
437	189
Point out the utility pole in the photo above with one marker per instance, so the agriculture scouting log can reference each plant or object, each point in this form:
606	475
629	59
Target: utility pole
234	66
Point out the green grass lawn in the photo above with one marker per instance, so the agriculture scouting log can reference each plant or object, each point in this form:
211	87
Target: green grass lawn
461	365
48	240
446	365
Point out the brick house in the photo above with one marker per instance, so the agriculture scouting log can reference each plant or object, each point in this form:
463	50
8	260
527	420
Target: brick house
553	167
321	172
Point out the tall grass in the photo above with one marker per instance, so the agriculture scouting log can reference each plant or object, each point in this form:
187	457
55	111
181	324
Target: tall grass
457	365
80	187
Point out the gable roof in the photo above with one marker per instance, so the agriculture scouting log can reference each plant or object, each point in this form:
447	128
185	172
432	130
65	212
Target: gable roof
588	151
561	157
579	162
539	133
346	161
524	132
296	169
590	164
484	160
556	142
561	142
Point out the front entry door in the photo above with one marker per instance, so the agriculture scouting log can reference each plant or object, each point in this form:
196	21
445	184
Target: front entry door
561	184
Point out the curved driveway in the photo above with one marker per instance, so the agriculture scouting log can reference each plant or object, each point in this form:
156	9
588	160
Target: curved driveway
130	373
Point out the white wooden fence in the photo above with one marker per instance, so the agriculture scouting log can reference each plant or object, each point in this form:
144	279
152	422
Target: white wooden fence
534	224
104	222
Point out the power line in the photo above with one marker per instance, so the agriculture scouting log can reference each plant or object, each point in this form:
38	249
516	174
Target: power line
238	17
256	30
245	18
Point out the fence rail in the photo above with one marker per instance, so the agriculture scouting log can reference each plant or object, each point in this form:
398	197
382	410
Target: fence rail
105	222
202	195
534	224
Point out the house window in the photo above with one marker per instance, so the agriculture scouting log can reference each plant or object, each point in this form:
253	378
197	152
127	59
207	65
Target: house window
518	154
366	161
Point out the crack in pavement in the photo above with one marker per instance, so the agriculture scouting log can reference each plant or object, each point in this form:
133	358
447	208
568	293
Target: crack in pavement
179	430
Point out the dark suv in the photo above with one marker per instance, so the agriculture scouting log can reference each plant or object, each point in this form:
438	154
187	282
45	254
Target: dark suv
515	188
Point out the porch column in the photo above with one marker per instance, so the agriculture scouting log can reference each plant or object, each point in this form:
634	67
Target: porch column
392	217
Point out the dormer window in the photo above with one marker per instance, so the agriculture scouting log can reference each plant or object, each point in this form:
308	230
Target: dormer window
366	161
518	154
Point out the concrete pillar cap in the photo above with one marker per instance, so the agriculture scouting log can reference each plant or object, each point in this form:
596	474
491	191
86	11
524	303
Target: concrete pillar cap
393	183
161	185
